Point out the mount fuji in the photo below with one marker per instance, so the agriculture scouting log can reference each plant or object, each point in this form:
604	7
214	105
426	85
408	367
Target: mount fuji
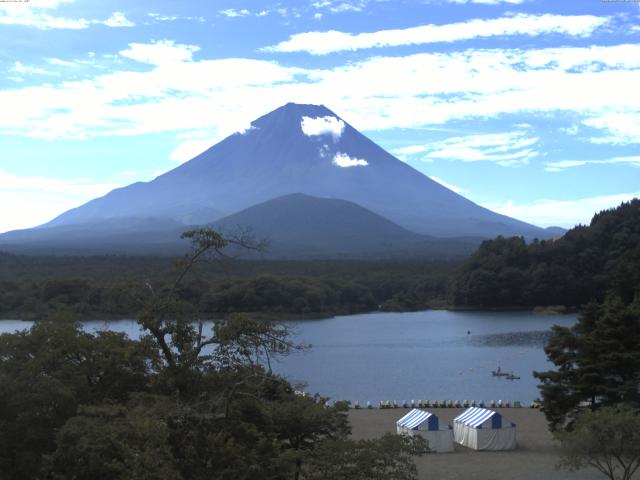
295	149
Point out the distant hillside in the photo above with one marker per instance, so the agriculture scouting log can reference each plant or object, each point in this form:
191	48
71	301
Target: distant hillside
299	225
579	267
135	236
295	226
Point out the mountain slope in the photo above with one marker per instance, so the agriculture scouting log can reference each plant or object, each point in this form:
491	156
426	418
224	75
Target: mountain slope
296	226
300	225
300	148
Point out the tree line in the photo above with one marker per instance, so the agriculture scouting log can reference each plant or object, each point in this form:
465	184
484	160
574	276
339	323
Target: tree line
573	270
89	290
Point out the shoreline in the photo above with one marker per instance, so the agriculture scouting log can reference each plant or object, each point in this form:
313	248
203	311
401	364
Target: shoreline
535	457
285	316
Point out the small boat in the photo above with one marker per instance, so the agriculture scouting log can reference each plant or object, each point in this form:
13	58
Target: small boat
499	373
511	376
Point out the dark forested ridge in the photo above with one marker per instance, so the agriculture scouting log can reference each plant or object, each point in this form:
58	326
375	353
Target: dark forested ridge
100	286
572	270
506	272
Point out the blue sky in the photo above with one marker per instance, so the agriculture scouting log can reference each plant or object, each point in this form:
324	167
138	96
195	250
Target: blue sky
528	107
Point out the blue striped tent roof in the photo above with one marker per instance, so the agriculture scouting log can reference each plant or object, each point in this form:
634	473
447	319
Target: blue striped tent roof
414	418
474	417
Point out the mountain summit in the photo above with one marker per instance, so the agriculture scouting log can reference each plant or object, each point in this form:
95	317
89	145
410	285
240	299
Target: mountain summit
304	149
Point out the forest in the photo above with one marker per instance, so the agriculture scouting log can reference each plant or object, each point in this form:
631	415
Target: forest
569	271
573	270
100	287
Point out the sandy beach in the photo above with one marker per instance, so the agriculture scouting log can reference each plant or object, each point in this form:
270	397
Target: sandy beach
534	459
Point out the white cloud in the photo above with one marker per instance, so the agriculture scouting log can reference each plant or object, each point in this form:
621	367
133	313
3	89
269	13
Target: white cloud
117	19
158	17
561	213
623	128
322	43
35	200
343	160
448	185
506	149
34	14
633	160
21	69
232	12
345	7
179	93
410	150
322	126
340	6
40	20
159	53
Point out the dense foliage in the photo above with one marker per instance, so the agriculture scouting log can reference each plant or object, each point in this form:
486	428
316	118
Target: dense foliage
597	361
101	287
573	270
607	440
181	403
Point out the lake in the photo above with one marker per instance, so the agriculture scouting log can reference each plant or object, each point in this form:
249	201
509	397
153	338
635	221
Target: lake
403	356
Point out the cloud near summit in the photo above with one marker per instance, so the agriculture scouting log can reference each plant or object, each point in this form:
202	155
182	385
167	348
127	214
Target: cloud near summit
328	125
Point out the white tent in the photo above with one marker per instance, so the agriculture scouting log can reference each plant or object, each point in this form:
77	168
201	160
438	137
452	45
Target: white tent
483	429
427	425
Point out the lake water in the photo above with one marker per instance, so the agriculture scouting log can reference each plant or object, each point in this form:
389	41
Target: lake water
403	356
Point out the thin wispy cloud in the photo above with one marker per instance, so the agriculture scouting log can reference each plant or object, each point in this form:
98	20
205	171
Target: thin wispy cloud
117	19
506	149
159	53
36	14
232	12
633	160
21	69
323	43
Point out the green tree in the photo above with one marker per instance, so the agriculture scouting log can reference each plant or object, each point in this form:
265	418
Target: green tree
607	439
114	442
47	372
597	361
381	459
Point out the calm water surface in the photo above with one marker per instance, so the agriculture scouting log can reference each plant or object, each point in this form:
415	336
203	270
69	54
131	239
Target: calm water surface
405	356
